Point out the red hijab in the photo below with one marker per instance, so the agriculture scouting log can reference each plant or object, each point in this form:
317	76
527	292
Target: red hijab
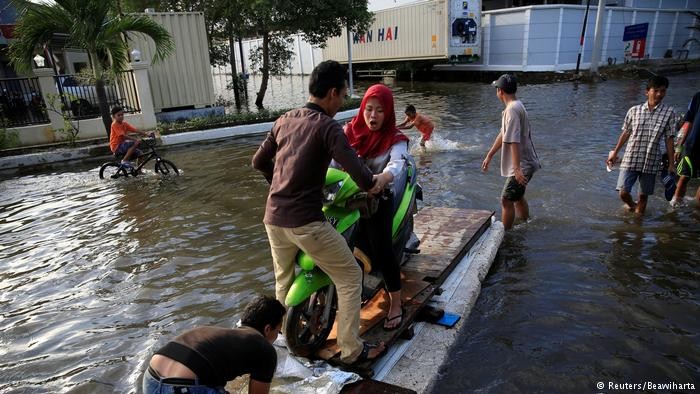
366	142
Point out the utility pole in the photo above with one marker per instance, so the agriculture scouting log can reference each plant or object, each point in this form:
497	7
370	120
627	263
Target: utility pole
350	90
583	36
232	62
597	41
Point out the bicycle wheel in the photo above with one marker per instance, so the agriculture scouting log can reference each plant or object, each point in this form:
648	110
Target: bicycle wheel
166	167
112	170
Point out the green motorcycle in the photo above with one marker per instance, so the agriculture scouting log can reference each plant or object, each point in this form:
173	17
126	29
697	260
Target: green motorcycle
312	299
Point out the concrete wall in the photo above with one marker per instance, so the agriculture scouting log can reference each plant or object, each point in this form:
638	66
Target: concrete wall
89	128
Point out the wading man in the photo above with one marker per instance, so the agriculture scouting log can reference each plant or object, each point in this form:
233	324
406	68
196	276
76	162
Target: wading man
646	126
518	157
689	161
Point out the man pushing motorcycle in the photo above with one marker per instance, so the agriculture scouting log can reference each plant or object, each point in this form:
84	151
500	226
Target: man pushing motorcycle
294	158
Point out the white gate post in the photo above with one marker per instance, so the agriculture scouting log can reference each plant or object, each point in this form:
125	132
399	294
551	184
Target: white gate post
47	84
143	89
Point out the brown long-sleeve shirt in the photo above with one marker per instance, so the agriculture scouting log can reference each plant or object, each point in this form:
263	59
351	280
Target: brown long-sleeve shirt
294	158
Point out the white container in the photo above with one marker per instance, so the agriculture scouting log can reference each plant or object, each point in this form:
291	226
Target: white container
184	78
412	32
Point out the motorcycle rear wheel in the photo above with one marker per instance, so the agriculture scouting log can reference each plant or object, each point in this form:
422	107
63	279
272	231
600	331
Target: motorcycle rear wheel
306	328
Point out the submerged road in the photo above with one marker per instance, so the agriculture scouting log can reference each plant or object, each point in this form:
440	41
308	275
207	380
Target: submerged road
96	274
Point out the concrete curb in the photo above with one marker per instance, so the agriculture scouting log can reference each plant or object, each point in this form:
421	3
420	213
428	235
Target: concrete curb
10	163
415	364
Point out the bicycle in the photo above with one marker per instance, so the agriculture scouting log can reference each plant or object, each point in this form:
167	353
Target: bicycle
115	169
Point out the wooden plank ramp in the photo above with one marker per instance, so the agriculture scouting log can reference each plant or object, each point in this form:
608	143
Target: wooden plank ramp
446	235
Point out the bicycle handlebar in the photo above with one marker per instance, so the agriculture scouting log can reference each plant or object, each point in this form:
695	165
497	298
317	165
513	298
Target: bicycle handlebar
150	140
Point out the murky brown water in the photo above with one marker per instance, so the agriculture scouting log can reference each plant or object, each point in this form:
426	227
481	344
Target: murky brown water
96	274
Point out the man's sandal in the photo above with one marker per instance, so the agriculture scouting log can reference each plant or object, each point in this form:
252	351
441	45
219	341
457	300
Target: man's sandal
366	348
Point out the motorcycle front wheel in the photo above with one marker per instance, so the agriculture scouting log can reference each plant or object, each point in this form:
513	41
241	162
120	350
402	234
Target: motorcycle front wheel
309	323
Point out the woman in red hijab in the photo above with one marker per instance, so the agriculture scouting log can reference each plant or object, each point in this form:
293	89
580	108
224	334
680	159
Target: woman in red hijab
373	134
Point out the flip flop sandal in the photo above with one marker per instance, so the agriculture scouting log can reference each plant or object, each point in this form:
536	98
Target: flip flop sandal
387	320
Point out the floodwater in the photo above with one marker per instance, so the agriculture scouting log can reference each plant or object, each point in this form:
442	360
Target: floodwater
96	274
282	92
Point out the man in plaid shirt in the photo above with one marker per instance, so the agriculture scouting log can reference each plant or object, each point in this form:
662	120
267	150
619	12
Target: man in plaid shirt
645	126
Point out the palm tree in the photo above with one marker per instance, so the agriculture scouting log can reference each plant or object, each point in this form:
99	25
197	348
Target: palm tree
93	25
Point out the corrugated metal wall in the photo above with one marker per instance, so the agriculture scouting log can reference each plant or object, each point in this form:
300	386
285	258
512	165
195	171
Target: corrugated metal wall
546	38
184	78
663	4
418	31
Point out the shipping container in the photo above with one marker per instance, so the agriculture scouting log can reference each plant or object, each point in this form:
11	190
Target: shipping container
436	29
184	78
415	32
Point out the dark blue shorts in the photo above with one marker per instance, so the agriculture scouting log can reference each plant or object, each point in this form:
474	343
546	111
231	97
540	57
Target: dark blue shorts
124	146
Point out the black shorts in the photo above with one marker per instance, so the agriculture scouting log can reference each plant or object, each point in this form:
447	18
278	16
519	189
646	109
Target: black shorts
689	167
512	190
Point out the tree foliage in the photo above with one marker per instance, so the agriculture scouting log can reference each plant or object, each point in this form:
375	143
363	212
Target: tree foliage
318	20
280	55
93	25
271	20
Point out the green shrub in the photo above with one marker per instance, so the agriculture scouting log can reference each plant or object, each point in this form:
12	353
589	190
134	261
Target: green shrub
212	122
8	138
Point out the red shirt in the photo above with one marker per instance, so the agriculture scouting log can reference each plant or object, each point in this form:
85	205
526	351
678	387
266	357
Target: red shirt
117	133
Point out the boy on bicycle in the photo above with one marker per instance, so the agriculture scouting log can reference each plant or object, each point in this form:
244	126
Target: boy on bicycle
120	142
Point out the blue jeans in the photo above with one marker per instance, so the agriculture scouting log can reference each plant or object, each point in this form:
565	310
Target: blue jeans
152	384
628	178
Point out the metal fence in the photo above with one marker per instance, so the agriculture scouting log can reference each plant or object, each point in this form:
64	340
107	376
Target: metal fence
79	98
21	102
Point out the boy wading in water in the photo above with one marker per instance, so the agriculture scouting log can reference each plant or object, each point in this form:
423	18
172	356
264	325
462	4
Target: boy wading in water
645	126
423	123
518	157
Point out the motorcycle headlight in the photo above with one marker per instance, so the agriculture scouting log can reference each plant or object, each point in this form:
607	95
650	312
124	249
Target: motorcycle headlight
330	191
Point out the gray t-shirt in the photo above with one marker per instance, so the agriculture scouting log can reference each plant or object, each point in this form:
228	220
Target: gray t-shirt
515	127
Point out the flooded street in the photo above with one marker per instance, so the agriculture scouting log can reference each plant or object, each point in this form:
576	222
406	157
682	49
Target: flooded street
96	274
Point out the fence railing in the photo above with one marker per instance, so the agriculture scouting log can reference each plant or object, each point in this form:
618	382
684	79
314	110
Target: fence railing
79	99
21	102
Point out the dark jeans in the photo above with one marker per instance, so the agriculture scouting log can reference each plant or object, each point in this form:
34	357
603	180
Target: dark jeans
376	242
